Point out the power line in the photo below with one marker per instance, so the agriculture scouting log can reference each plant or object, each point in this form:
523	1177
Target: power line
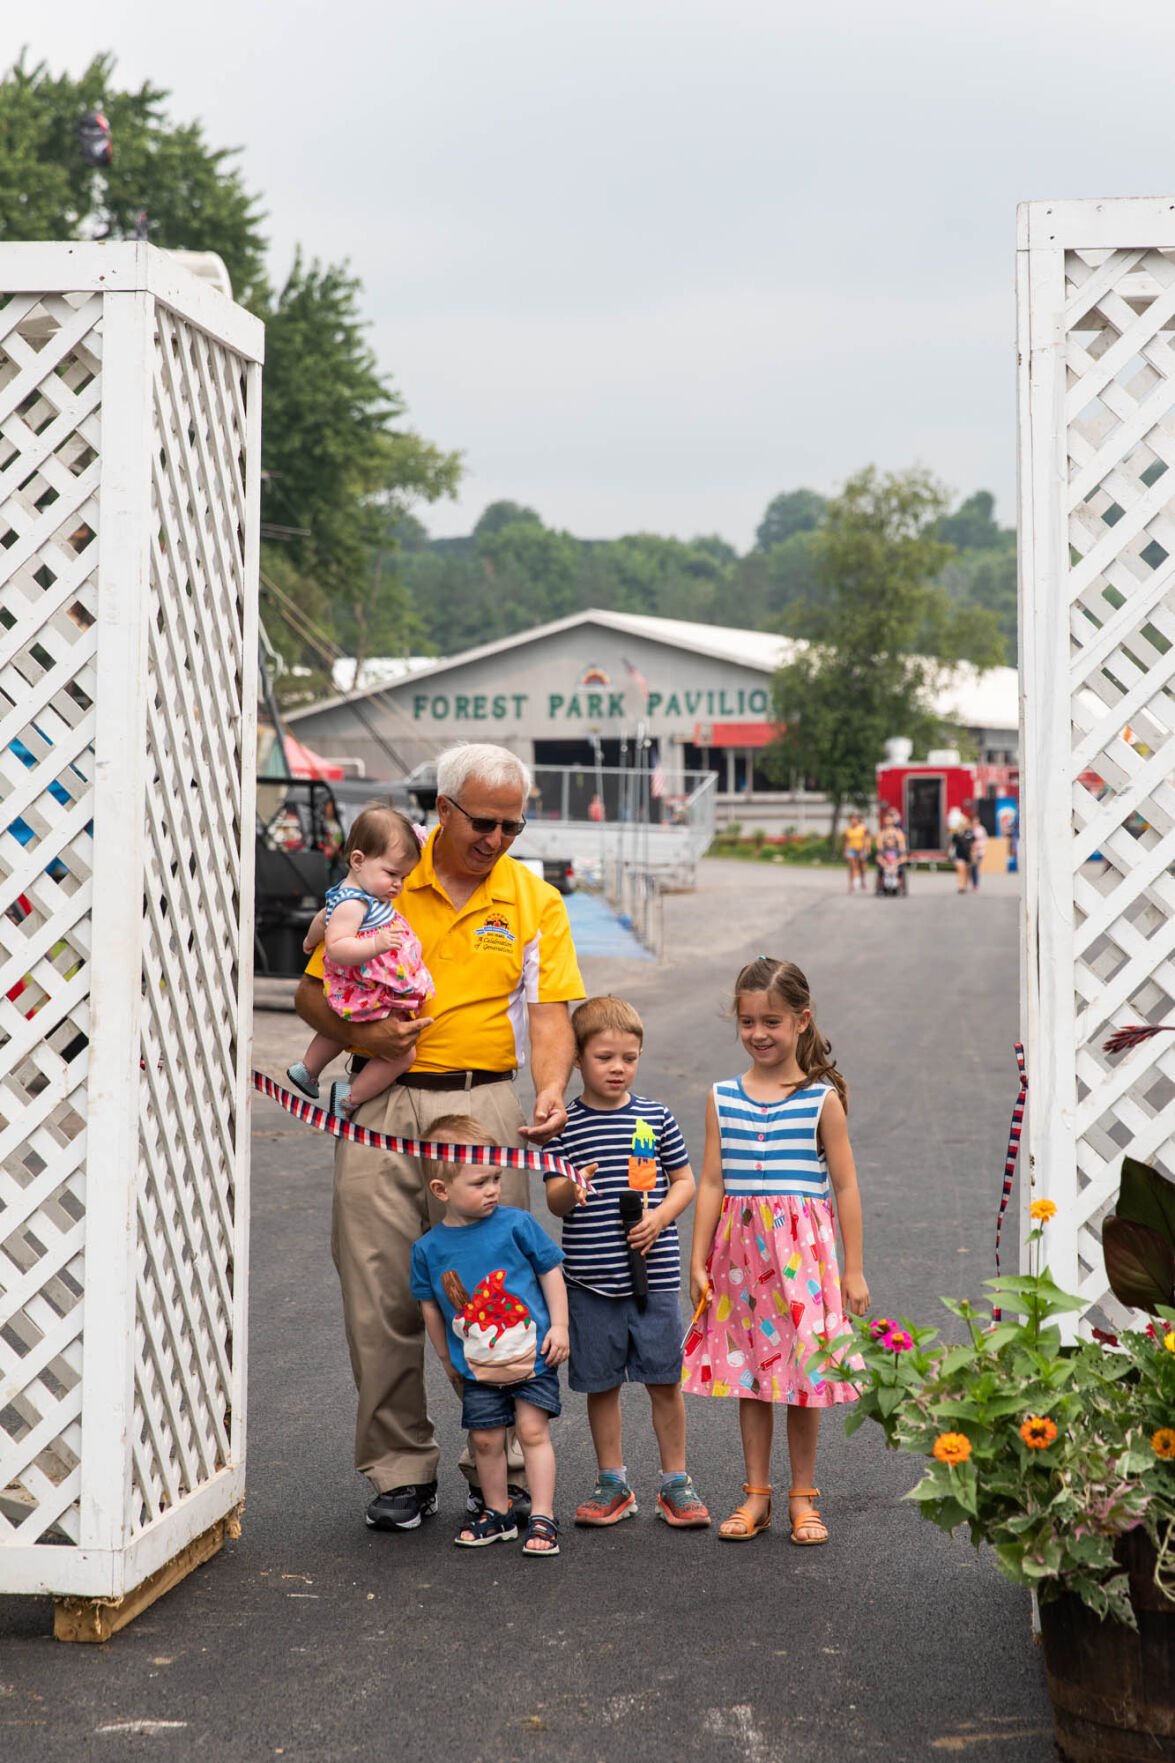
324	646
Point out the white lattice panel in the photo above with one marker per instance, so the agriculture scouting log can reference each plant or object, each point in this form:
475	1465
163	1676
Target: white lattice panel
129	430
1097	307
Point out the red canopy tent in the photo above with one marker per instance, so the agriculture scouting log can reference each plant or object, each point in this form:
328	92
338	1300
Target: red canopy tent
303	761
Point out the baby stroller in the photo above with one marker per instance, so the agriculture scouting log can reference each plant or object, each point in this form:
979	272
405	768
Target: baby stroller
891	871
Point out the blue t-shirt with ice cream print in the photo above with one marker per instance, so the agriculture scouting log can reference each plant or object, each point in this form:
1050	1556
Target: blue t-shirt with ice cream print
485	1277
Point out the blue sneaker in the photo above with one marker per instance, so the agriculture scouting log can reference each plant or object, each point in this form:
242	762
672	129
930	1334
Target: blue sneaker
302	1080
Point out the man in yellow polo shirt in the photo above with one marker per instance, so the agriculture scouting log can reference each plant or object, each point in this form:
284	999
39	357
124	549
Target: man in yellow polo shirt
497	942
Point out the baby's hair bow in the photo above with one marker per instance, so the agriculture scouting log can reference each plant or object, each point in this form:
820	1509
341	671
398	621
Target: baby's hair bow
421	833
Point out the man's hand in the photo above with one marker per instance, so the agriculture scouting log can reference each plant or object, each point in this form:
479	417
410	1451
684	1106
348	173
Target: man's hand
393	1038
550	1117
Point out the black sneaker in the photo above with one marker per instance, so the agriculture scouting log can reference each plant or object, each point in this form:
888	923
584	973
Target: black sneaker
403	1508
519	1500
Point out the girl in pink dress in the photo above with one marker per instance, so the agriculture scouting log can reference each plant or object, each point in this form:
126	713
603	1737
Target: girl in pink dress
372	964
777	1149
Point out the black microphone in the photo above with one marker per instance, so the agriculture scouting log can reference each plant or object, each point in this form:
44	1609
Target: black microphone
631	1212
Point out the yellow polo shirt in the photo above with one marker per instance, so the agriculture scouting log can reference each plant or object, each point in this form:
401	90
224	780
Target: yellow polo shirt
508	946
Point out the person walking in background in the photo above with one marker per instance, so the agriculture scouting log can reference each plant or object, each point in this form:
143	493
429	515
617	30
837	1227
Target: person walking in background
498	946
856	846
978	848
763	1261
962	844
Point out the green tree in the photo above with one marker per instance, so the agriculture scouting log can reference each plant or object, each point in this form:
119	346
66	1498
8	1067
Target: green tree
881	636
499	514
973	526
193	194
533	570
340	467
794	511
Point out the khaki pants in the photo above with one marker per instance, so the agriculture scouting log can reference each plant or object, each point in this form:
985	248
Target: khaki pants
381	1206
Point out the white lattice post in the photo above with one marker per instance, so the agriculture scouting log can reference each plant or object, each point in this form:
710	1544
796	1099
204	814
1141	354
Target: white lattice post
1096	288
129	497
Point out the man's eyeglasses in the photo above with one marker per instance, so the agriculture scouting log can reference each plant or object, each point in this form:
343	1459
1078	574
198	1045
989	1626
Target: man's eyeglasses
483	825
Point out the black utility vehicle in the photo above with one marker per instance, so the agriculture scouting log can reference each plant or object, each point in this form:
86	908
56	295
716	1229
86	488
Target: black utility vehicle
301	826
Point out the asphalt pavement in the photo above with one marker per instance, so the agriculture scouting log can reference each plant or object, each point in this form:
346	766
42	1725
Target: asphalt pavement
314	1639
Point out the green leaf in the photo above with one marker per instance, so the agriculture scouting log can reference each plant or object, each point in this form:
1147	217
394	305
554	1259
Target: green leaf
889	1397
955	1359
1140	1264
1146	1197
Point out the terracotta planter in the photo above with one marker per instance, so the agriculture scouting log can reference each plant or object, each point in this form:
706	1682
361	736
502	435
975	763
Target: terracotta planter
1113	1689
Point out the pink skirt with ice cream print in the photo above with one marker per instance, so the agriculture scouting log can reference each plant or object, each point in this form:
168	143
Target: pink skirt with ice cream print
775	1301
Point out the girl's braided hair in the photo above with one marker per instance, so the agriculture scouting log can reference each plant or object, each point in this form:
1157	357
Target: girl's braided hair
785	981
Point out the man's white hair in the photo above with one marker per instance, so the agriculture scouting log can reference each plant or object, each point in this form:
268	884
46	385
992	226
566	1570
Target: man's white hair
495	767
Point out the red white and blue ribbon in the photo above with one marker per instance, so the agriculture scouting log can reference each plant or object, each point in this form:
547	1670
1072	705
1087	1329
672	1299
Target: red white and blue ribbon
1014	1132
483	1156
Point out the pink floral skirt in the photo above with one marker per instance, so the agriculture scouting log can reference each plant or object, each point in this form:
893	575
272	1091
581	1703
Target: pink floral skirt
395	980
776	1301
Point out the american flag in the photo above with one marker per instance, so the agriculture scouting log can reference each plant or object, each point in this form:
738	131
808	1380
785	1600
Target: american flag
657	779
634	673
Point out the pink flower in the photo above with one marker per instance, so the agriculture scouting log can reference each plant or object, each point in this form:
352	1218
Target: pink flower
880	1325
896	1340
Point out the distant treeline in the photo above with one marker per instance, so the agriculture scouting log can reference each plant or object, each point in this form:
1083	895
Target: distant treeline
513	572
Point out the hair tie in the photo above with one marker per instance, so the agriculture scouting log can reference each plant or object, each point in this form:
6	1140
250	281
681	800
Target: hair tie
421	833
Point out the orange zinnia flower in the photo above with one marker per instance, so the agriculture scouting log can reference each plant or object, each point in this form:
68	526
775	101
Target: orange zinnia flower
952	1447
1042	1210
1163	1442
1038	1433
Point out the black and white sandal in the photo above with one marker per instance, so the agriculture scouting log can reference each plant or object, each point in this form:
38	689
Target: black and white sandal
540	1529
490	1527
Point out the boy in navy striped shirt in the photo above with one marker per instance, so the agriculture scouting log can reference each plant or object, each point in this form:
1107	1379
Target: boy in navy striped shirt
636	1144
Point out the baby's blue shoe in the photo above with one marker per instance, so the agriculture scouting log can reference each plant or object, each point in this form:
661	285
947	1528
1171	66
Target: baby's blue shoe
340	1094
302	1080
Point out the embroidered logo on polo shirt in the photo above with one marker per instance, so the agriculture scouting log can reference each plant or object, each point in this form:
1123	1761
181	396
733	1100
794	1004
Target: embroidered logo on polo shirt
494	933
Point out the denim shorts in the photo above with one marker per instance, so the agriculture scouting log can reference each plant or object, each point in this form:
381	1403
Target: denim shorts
486	1406
612	1342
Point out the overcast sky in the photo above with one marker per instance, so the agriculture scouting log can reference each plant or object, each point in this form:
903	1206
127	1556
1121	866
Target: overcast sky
648	262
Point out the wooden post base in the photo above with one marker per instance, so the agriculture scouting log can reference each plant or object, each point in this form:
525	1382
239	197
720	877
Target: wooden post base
96	1619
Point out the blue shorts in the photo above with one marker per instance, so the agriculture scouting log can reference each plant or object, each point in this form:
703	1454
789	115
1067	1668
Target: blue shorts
612	1342
486	1406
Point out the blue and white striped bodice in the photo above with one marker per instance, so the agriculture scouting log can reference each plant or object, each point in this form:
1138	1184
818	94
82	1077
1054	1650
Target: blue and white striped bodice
377	912
771	1147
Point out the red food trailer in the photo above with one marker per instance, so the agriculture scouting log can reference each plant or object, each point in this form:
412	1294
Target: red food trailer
923	796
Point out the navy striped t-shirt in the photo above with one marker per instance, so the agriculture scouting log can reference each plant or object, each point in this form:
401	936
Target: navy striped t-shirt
638	1143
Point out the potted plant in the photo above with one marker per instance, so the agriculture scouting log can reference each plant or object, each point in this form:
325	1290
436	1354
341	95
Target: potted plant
1062	1459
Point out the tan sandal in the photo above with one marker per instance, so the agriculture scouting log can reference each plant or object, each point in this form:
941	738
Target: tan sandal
810	1518
751	1526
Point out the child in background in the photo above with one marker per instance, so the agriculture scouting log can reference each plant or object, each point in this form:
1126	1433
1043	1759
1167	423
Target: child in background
372	964
636	1145
491	1288
978	850
857	845
765	1241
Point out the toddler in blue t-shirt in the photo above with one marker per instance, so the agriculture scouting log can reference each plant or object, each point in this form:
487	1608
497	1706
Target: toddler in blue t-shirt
491	1290
616	1337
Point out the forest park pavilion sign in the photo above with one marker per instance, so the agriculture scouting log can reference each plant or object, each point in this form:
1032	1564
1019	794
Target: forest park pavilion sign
590	706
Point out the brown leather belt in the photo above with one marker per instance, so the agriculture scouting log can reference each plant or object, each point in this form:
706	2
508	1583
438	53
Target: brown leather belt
452	1080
